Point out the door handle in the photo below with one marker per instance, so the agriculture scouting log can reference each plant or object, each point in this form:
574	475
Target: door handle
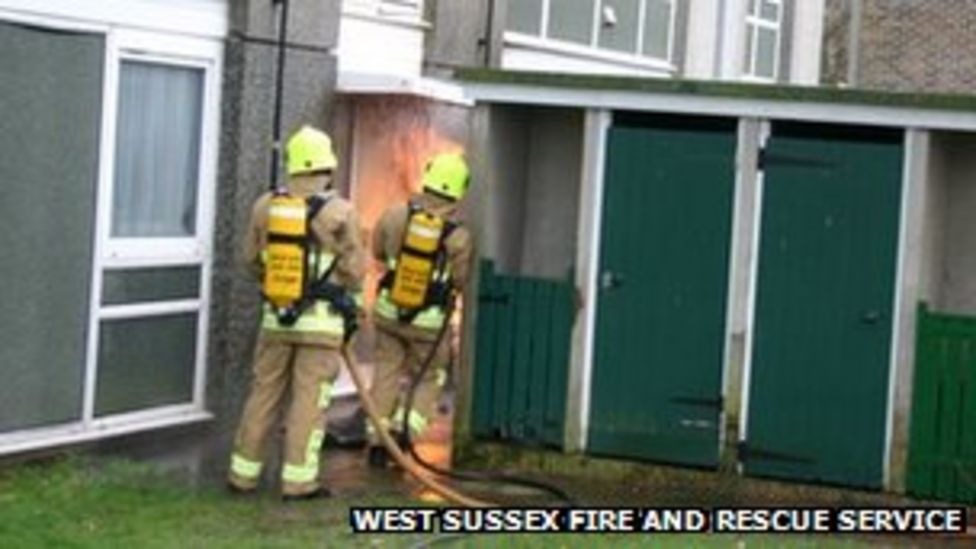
871	317
610	280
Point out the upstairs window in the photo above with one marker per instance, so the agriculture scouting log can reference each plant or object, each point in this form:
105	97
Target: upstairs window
764	24
642	28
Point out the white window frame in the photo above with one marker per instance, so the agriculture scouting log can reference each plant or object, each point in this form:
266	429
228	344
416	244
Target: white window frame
113	253
753	23
126	44
592	49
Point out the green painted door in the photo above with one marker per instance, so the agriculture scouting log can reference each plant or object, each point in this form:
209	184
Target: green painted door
817	402
661	314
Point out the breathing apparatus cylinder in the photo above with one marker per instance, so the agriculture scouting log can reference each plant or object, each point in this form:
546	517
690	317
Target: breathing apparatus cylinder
417	259
286	274
285	268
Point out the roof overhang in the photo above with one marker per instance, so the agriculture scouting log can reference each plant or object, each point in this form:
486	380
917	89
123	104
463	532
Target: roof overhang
445	91
796	103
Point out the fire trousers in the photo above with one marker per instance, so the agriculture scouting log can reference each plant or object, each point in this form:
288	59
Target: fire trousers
398	359
307	372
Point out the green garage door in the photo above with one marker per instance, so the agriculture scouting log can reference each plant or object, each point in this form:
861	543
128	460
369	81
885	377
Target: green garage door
667	216
827	261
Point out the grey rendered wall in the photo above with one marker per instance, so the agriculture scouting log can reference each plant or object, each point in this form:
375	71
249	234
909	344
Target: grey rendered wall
499	137
959	280
552	193
948	250
246	120
525	202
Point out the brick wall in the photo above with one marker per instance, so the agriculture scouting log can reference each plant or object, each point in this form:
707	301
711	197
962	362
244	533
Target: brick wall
927	45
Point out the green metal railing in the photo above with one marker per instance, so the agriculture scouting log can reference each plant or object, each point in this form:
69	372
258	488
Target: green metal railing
524	329
942	449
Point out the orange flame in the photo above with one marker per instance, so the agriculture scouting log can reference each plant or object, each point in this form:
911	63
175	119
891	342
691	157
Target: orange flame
393	139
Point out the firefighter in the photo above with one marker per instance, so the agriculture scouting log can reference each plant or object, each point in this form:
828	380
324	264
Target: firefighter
304	244
426	254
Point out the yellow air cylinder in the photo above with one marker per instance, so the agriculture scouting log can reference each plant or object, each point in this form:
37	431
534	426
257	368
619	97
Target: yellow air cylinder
284	266
415	266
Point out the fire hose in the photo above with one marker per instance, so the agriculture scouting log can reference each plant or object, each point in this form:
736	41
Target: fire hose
417	465
410	460
391	446
477	476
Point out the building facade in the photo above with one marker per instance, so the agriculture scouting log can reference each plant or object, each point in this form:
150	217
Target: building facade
143	129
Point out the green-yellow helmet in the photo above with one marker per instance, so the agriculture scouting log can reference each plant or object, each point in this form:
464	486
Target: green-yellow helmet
310	150
447	175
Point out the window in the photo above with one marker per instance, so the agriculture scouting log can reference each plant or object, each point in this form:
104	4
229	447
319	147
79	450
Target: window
157	150
640	28
763	31
155	226
111	154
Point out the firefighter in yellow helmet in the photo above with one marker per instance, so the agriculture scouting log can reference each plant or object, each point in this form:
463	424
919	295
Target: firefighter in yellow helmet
304	245
427	257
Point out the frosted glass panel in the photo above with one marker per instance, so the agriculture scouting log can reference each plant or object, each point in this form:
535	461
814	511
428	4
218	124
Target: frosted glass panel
145	362
157	284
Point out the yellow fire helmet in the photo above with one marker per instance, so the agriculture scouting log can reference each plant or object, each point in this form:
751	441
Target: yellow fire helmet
310	150
447	175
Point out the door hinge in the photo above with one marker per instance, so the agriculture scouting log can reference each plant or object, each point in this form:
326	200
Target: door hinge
747	452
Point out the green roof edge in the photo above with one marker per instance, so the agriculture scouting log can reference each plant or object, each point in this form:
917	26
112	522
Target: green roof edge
731	90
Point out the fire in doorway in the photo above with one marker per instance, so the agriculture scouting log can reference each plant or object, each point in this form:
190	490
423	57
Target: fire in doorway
392	138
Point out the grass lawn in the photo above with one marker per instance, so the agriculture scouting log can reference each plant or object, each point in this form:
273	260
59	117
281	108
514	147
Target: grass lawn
82	503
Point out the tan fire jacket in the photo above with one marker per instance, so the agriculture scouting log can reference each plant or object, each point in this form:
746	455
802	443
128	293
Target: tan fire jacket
337	230
388	236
